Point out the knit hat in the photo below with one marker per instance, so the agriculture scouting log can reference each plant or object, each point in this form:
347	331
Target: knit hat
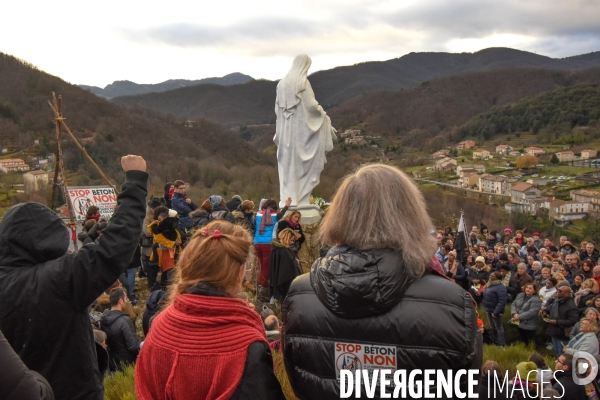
172	214
154	202
527	367
508	230
215	200
480	259
235	196
503	257
536	234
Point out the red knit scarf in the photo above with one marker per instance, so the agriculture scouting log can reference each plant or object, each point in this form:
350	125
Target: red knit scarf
197	348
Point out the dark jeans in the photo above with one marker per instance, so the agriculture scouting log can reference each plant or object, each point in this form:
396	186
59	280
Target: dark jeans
496	329
166	278
527	336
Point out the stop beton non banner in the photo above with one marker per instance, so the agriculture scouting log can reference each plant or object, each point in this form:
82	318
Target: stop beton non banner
83	197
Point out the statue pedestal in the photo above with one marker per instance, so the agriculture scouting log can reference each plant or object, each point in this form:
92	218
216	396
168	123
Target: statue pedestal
311	213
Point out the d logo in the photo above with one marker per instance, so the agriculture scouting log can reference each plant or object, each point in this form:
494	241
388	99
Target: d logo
585	368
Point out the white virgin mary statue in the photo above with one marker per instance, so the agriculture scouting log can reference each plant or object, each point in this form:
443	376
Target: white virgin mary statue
303	135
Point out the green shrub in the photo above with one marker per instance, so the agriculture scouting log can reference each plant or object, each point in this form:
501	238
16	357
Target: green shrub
120	385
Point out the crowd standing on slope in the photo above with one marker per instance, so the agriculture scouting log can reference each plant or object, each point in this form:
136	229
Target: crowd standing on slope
383	279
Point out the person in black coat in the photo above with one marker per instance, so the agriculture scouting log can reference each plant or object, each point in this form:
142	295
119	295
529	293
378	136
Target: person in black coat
377	285
123	345
19	382
154	303
563	382
283	265
46	291
166	199
562	314
494	300
292	221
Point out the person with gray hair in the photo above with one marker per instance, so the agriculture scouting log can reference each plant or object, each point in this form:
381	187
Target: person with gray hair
379	285
219	209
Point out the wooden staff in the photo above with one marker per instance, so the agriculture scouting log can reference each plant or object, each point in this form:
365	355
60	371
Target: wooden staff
61	124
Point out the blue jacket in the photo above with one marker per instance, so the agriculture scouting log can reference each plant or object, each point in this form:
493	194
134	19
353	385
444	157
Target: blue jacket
183	209
495	298
267	235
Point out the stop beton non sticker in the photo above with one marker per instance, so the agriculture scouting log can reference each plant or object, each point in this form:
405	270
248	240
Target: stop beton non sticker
360	356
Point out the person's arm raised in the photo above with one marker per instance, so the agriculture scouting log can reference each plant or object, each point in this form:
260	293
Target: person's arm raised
85	274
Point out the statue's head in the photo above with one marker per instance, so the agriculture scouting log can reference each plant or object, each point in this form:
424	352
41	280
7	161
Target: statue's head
301	64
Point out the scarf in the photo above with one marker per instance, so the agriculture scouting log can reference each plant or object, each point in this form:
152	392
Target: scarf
493	282
293	225
197	348
171	193
579	294
266	220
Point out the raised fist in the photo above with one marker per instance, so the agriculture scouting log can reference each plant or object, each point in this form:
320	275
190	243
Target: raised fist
133	163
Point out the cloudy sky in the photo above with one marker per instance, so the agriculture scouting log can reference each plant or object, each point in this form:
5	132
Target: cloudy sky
151	41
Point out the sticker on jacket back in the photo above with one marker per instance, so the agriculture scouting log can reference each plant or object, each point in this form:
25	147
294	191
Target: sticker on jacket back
361	356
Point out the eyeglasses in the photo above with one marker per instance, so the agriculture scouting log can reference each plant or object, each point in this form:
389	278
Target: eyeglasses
559	362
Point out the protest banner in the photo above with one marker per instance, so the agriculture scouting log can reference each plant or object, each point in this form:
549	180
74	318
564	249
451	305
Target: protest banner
83	197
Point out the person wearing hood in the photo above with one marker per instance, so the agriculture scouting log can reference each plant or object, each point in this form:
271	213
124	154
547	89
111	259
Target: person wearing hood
169	190
218	209
123	345
40	279
234	203
566	249
283	265
377	285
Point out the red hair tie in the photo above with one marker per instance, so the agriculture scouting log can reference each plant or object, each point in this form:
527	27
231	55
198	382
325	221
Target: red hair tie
204	232
216	234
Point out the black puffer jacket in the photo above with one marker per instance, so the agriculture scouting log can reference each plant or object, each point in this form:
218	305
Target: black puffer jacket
365	297
121	339
46	292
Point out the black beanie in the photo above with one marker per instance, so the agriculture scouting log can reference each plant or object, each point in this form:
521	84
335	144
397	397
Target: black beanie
503	257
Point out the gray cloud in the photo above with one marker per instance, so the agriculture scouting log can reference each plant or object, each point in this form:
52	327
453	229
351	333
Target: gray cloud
559	28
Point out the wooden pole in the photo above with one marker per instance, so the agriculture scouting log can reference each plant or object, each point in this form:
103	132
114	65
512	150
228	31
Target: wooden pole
86	155
59	161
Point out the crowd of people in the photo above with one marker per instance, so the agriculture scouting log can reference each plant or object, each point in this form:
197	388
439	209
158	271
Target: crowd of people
382	280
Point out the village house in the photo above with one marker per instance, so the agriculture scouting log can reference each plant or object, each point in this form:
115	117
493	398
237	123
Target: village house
441	153
350	133
524	195
355	140
563	212
13	164
471	179
464	171
534	151
588	196
481	154
587	154
35	180
445	164
491	184
515	153
467	144
503	149
565	156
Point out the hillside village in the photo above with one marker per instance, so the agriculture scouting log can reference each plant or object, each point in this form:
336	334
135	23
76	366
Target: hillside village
563	181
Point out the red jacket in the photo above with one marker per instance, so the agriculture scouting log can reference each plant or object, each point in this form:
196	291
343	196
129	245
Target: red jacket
197	349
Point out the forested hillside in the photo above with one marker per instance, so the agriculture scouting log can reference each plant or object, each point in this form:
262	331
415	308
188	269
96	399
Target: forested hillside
576	105
199	154
430	114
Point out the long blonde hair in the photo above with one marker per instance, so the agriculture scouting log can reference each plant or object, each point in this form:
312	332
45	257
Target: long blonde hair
214	255
377	207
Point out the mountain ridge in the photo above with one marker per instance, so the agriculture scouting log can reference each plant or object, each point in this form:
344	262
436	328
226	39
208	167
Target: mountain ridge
336	86
125	87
